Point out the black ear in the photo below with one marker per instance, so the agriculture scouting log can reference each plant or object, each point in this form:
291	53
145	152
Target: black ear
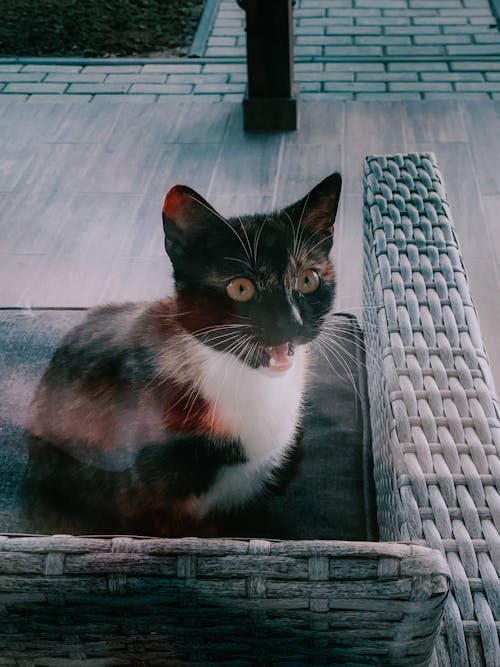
185	214
318	209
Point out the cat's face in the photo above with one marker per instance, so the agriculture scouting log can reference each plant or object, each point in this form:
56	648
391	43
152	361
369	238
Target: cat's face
256	286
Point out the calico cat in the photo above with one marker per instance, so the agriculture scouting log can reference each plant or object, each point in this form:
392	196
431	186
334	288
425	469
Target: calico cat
157	418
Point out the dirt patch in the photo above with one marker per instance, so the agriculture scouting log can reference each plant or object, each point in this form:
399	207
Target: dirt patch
98	28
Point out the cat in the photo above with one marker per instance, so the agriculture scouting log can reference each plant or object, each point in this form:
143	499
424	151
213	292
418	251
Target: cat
158	418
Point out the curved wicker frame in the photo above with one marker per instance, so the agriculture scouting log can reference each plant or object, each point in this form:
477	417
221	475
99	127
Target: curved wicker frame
435	417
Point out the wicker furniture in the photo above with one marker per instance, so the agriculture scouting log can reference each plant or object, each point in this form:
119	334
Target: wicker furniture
435	418
436	434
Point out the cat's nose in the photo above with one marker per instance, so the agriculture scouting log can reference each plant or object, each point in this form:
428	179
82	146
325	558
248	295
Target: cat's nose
284	322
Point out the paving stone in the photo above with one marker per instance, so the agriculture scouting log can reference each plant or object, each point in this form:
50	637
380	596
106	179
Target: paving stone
113	69
232	97
9	68
442	4
466	12
189	98
382	4
412	30
477	87
35	88
310	87
221	41
162	88
230	14
475	65
308	50
309	30
459	96
230	23
417	66
492	76
383	20
70	69
136	78
354	67
324	76
124	97
439	20
358	51
473	49
216	88
472	29
10	99
383	97
355	13
354	30
383	40
223	67
238	77
451	76
98	88
185	68
308	67
411	13
80	77
442	39
355	87
29	77
322	40
327	97
198	78
485	38
421	86
417	51
306	12
234	51
386	76
60	99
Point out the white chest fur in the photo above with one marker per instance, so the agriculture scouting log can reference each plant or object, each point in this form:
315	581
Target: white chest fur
261	407
263	410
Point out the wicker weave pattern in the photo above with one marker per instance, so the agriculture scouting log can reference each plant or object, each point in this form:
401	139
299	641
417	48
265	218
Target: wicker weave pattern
435	417
194	601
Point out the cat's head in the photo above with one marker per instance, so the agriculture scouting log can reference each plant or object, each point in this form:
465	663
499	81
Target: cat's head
255	286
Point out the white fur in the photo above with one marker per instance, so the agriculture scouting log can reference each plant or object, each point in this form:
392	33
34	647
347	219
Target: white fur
262	408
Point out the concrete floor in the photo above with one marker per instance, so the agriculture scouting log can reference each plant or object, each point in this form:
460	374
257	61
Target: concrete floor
81	188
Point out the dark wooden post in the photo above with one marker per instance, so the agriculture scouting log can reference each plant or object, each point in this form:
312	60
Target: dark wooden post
269	103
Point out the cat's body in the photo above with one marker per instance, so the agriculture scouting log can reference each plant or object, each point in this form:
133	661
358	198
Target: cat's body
156	418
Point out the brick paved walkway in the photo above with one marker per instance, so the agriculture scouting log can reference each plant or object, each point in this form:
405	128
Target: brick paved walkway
347	49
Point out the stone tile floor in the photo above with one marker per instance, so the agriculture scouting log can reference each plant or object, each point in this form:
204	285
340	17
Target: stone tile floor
344	49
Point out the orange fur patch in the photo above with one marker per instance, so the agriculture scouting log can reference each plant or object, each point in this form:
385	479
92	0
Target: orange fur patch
188	413
173	201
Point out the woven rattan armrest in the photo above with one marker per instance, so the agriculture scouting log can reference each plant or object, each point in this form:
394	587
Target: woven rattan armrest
434	413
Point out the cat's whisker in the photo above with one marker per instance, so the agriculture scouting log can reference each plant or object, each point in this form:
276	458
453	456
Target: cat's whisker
242	261
247	239
338	346
338	356
295	235
257	239
341	340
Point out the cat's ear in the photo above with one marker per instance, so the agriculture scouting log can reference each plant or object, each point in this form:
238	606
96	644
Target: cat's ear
185	213
318	209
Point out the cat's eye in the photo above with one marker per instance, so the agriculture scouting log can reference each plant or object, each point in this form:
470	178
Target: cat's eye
241	289
308	281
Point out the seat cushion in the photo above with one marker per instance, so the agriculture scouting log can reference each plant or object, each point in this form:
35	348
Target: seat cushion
329	496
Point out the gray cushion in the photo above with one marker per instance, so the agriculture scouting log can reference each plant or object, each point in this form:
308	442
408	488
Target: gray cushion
329	497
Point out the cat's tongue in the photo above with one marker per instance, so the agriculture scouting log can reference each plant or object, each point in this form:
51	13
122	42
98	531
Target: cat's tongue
280	357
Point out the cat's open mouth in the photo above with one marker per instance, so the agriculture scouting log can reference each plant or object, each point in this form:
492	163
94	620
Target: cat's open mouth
278	358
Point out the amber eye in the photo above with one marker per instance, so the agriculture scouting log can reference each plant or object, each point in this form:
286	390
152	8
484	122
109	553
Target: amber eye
308	281
241	289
